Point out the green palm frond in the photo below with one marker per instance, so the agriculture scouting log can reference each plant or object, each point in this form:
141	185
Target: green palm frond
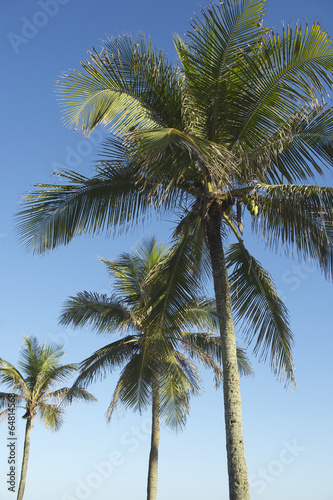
13	379
168	154
207	350
51	415
105	360
263	316
54	214
9	397
244	365
297	150
68	395
129	84
210	57
299	217
48	379
174	284
103	313
135	383
288	70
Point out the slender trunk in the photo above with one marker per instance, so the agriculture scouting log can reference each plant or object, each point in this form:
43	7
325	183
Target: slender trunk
155	439
25	459
237	470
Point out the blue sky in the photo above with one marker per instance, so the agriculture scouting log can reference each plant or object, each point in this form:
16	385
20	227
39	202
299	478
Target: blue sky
288	435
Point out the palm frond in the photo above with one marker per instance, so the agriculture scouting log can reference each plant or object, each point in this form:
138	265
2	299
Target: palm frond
53	214
68	395
13	379
217	39
300	218
51	415
263	316
129	84
105	360
7	398
134	386
98	311
297	150
288	70
48	379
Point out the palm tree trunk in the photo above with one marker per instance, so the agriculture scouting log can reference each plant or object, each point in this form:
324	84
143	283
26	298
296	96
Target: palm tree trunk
237	470
155	439
25	459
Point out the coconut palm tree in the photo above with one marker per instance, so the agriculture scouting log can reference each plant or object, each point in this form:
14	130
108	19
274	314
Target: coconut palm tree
35	383
162	326
239	126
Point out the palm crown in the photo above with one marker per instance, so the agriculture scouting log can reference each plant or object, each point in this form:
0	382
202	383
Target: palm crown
34	383
162	324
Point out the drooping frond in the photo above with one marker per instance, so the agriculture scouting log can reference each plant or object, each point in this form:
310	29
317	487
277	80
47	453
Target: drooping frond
68	395
300	218
13	379
51	415
129	84
8	399
55	213
105	360
134	386
262	315
174	283
206	349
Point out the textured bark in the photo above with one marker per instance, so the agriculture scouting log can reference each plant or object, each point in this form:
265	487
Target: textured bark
237	470
25	459
155	439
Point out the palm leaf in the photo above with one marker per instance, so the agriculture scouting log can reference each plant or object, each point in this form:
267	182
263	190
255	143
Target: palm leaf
105	360
299	217
12	378
127	85
51	415
216	39
103	313
263	316
54	214
287	70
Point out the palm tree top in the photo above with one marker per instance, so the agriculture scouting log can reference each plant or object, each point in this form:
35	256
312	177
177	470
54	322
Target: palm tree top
35	383
162	325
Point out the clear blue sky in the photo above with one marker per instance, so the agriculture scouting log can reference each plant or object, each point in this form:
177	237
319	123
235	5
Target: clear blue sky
288	436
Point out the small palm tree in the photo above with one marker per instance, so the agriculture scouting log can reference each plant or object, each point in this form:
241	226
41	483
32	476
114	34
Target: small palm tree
34	384
161	322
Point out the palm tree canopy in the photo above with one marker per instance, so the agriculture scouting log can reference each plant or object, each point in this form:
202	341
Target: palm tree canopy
241	121
34	383
163	329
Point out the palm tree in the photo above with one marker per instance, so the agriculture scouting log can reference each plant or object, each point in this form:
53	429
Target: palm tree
241	122
154	308
34	383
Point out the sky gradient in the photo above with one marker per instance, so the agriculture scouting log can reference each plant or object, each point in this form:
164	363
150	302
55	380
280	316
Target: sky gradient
288	435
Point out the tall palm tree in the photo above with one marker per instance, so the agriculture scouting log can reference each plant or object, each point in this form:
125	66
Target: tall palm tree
35	383
240	124
163	327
